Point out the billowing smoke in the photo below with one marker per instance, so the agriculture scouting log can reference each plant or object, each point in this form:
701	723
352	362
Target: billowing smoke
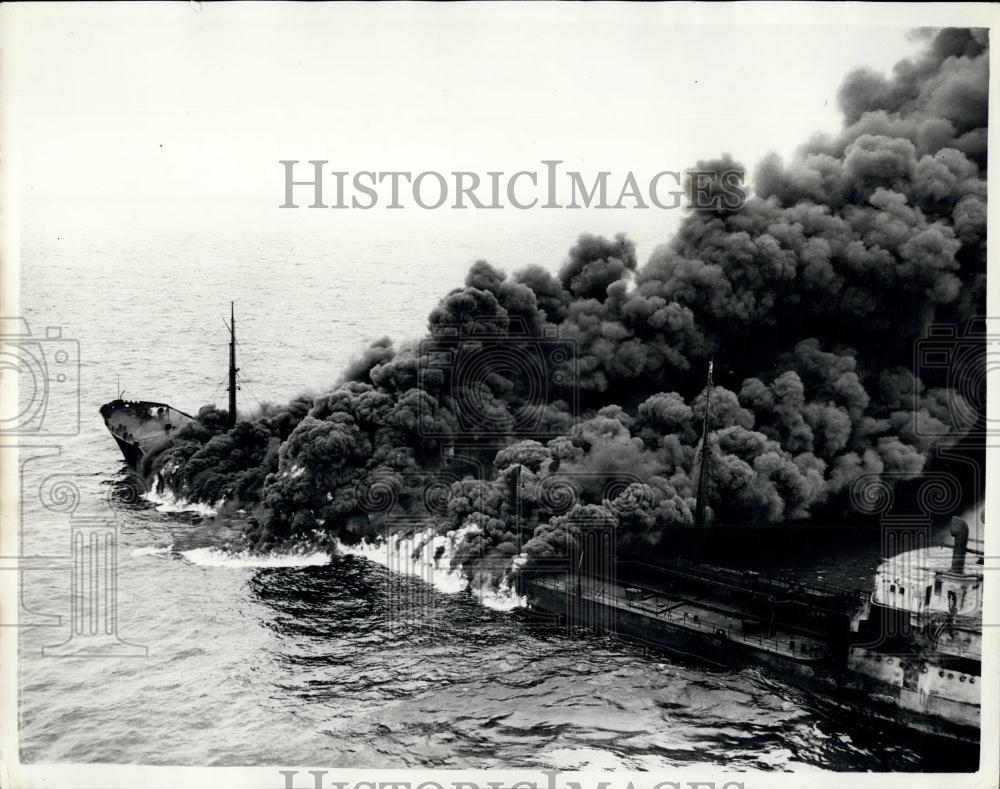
541	405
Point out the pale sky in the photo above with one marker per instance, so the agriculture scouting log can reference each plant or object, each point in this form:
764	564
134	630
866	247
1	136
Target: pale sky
176	114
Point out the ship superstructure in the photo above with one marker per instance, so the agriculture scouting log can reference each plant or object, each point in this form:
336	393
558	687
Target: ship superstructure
919	635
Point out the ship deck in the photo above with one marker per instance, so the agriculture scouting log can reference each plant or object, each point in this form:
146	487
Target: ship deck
692	612
139	425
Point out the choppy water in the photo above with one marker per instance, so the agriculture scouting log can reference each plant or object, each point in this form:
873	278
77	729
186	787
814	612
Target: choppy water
296	660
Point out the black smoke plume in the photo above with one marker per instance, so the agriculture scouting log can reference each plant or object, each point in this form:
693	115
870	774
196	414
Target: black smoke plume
809	298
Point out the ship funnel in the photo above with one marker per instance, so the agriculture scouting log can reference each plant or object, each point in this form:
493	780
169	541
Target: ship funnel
960	531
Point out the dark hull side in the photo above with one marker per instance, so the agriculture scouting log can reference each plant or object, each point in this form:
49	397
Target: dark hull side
826	679
132	453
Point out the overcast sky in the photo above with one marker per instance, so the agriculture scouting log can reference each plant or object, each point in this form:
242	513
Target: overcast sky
170	115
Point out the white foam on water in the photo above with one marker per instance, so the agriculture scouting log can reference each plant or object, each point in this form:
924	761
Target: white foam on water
416	554
584	759
503	598
217	557
168	502
152	550
781	757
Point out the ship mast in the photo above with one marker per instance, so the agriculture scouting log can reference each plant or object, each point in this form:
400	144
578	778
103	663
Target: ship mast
233	369
699	507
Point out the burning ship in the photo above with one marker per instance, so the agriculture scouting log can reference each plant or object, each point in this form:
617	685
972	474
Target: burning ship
907	652
139	425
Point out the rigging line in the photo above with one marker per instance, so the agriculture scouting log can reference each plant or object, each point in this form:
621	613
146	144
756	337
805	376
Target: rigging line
218	386
260	405
239	378
250	349
238	343
243	387
250	391
249	404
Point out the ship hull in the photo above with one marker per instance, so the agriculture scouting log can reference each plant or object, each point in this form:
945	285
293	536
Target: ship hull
132	453
138	426
710	644
826	678
887	703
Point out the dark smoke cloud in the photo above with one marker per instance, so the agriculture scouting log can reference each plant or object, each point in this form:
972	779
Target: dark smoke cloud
809	298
